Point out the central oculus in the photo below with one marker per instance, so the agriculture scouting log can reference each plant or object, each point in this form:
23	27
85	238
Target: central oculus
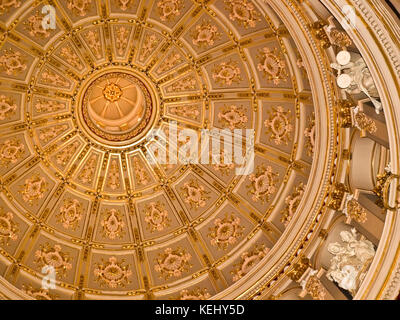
117	106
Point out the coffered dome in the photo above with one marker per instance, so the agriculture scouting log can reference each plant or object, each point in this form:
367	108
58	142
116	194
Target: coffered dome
84	103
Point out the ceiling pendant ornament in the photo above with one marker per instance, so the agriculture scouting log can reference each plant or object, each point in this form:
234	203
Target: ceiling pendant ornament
112	273
112	92
279	125
226	231
272	65
195	195
263	184
70	214
8	228
169	9
205	34
172	263
227	73
243	12
33	189
233	117
249	259
52	256
11	151
113	225
156	216
12	62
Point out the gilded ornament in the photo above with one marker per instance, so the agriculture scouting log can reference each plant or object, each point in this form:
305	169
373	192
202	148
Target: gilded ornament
8	227
150	42
172	263
292	203
71	57
7	107
227	73
310	134
48	134
88	171
11	151
45	105
114	181
195	195
112	273
70	214
113	225
52	256
248	260
6	5
12	62
35	26
279	125
169	9
121	41
79	7
194	294
124	4
233	116
34	189
205	34
156	216
49	77
263	184
243	12
272	66
226	231
38	293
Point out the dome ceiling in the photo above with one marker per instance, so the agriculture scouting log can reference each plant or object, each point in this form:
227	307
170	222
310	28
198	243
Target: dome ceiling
80	189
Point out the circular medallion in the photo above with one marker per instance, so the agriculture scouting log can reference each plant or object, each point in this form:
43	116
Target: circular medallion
117	107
